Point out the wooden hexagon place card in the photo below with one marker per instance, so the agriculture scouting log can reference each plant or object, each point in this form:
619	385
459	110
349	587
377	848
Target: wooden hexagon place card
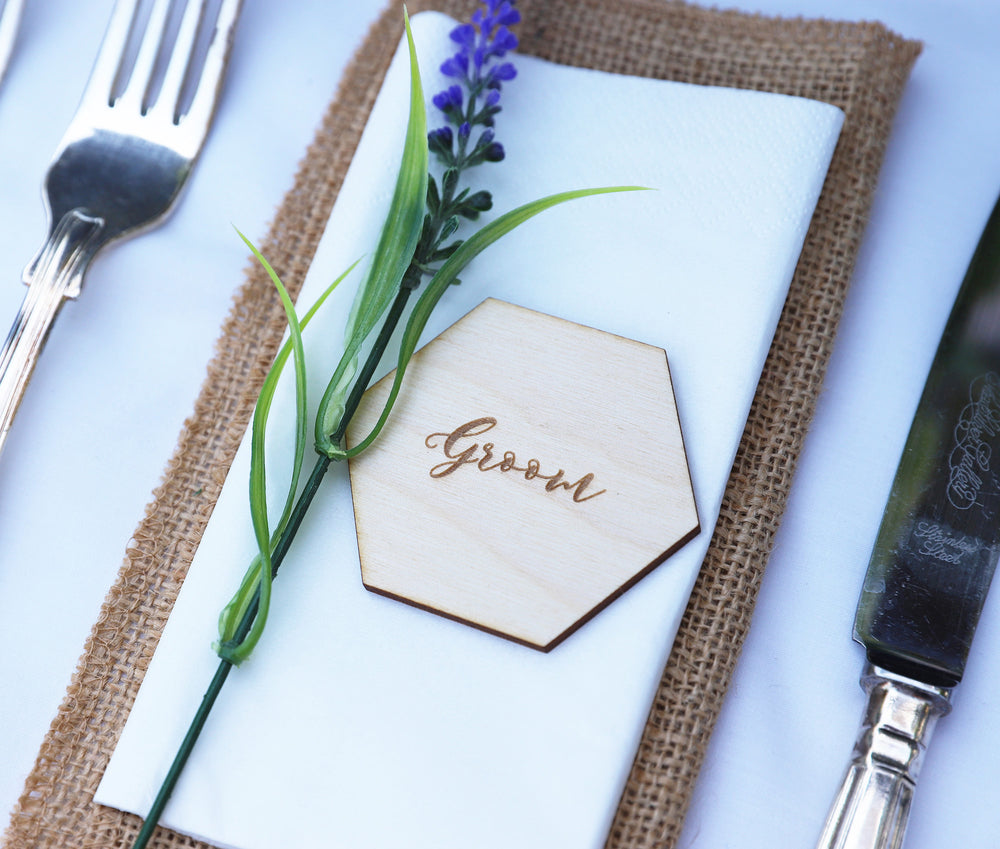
531	472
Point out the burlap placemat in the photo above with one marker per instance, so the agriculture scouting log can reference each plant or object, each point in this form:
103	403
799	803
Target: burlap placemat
861	68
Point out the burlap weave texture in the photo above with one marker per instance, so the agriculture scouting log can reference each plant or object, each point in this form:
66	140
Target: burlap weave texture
862	68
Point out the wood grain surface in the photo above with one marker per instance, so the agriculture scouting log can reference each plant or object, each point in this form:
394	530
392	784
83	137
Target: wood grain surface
517	488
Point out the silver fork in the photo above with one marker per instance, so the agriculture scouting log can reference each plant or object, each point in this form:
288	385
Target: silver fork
10	16
124	158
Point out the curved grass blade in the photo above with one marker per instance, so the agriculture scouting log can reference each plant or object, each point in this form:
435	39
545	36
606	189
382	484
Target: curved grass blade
392	256
259	571
258	475
447	274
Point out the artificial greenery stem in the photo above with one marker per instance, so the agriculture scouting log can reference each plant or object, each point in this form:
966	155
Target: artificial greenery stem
420	220
393	316
445	277
281	548
222	672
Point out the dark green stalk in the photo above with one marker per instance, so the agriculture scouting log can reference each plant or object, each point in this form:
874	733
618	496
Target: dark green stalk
280	550
427	253
222	672
183	753
393	315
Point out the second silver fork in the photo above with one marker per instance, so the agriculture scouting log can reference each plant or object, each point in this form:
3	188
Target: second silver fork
126	155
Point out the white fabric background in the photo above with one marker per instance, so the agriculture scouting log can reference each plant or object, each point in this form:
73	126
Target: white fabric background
74	480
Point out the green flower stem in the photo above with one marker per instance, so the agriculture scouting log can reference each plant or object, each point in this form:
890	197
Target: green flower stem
392	318
441	281
183	753
280	550
222	672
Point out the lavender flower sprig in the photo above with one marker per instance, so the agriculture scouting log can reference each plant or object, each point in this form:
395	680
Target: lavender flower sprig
421	218
486	38
473	101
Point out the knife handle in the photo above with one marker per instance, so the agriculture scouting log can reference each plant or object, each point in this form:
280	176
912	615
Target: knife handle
871	808
54	275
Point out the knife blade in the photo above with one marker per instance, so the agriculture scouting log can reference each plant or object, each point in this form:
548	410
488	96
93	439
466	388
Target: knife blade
931	565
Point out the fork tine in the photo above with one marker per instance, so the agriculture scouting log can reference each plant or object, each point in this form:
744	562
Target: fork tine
109	58
180	59
207	86
134	94
117	171
10	16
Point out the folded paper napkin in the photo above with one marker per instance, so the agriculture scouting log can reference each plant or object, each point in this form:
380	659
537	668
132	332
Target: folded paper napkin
374	722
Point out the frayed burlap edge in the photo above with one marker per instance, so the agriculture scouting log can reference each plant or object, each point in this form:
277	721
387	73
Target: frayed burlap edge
861	68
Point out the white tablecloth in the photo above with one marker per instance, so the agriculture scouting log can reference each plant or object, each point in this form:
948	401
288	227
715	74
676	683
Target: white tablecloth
74	477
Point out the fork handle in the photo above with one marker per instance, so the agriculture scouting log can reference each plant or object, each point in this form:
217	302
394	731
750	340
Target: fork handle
56	274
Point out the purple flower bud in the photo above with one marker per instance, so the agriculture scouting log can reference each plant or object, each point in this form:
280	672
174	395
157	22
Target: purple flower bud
507	15
503	41
492	97
464	35
456	66
441	135
450	98
494	153
464	130
500	74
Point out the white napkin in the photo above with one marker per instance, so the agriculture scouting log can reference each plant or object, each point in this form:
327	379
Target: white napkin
362	722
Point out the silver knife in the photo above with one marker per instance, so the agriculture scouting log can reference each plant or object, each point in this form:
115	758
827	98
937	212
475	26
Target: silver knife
931	566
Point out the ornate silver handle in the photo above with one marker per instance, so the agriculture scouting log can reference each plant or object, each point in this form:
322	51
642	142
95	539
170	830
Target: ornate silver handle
873	803
54	275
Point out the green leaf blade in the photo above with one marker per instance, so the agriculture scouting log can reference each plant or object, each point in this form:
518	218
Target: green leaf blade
392	256
257	580
448	274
